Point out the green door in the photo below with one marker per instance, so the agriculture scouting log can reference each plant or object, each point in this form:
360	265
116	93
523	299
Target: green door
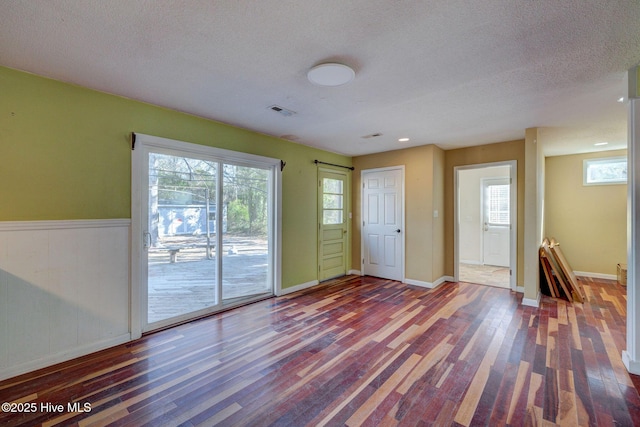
333	199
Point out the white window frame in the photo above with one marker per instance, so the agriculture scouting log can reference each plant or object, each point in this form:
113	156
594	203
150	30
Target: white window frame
139	166
586	163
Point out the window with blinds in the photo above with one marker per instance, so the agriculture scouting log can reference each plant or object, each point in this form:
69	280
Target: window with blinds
498	204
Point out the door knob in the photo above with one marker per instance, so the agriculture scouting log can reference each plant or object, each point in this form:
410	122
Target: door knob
398	230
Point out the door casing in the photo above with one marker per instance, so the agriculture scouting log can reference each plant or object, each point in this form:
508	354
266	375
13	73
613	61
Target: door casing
513	211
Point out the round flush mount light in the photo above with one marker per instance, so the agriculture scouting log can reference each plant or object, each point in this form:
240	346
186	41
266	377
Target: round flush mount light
331	74
598	144
403	139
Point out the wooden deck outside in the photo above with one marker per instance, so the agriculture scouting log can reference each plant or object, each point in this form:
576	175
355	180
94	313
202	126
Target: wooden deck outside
359	351
187	283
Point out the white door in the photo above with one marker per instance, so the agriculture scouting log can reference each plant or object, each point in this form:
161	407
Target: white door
496	221
382	225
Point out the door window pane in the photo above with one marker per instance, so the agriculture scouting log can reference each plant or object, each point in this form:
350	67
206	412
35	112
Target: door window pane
498	204
332	201
181	256
245	249
332	186
332	216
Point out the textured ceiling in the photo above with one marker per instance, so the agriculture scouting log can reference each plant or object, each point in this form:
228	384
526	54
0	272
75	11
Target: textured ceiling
452	73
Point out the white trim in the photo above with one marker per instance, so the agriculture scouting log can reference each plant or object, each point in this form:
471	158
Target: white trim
632	358
355	272
296	288
403	217
532	302
429	285
602	160
513	239
596	275
520	289
139	169
237	157
64	356
633	366
63	224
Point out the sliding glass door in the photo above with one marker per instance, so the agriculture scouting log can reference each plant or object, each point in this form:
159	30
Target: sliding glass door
207	233
245	236
181	239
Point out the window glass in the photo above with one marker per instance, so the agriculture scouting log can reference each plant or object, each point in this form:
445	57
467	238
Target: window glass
498	204
332	216
612	170
332	186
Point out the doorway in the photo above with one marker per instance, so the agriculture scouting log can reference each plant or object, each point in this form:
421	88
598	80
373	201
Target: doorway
383	223
207	227
485	226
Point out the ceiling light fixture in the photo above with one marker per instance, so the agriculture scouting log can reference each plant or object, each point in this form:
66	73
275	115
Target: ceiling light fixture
331	74
403	139
621	99
597	144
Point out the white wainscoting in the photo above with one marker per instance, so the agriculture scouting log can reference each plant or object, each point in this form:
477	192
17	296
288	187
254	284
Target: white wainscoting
64	291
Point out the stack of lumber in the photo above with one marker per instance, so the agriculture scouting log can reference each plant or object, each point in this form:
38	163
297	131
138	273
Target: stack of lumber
558	273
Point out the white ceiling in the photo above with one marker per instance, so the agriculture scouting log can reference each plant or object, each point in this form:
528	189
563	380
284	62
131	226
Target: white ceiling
453	73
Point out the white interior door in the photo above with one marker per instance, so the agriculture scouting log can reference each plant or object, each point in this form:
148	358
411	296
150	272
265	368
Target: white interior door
496	221
383	222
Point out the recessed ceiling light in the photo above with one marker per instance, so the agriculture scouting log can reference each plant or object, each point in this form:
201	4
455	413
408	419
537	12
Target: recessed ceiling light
600	143
621	99
330	74
403	139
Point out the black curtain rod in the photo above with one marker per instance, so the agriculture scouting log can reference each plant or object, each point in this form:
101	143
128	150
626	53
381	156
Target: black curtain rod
333	164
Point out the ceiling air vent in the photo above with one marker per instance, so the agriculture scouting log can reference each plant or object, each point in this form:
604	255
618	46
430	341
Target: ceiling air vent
373	135
282	111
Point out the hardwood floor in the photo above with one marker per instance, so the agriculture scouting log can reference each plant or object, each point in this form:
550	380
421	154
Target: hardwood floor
359	351
484	274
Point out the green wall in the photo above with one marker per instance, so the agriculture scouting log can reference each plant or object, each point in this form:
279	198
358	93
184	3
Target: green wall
65	154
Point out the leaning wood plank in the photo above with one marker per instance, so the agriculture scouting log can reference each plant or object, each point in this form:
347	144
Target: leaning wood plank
556	268
566	269
546	267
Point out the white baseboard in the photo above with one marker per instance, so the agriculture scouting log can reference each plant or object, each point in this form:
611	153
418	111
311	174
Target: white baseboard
429	285
65	356
596	275
633	366
355	272
296	288
471	262
532	302
520	289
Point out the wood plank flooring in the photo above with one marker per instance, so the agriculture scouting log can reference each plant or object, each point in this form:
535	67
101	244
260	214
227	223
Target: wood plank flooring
358	351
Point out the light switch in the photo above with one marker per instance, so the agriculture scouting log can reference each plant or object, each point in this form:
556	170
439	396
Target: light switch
436	214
